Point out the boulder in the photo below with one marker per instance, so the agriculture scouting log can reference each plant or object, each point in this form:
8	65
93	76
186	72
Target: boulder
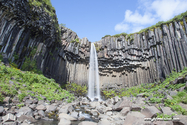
25	117
136	107
134	118
74	114
25	111
87	123
6	100
166	110
41	107
9	118
150	111
104	122
1	110
66	116
125	110
180	120
64	121
51	108
94	113
41	113
28	101
94	104
125	102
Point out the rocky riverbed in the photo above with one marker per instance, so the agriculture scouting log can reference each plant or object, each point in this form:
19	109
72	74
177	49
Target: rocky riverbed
116	111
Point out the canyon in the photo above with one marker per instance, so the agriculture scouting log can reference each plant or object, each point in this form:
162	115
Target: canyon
30	33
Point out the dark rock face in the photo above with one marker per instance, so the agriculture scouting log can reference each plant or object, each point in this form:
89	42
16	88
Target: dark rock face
149	57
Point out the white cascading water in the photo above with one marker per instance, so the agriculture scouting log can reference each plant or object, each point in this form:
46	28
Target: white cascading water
93	83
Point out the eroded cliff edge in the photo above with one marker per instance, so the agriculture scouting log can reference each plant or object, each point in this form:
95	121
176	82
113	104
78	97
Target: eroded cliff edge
30	33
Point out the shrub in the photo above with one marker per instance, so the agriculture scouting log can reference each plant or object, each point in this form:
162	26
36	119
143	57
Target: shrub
1	98
21	96
79	90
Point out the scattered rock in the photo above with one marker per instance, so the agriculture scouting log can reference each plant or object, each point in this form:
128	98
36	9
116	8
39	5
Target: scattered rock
150	111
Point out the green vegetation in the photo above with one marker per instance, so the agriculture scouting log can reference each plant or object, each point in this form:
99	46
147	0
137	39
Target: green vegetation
43	3
165	116
116	35
156	92
20	105
75	41
80	90
12	80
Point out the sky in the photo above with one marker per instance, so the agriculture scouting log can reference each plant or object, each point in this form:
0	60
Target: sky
96	18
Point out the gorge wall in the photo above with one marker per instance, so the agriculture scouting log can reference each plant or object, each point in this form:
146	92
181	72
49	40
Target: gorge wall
31	35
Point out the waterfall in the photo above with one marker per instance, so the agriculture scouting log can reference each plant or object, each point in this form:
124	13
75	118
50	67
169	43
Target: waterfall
93	83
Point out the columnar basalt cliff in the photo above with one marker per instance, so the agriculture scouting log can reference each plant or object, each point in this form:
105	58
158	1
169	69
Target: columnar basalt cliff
31	34
143	58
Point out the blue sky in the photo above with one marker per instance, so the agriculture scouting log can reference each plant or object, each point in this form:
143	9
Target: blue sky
96	18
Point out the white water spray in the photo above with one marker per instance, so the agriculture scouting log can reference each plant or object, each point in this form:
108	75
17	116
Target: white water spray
93	83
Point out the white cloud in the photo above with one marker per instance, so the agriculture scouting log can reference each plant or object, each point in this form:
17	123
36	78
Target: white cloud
166	9
149	12
121	27
137	18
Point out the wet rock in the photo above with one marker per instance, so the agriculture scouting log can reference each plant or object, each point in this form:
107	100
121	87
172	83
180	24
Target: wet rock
81	118
74	114
94	113
66	116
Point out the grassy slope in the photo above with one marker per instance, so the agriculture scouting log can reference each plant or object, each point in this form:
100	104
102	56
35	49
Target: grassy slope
13	80
153	90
